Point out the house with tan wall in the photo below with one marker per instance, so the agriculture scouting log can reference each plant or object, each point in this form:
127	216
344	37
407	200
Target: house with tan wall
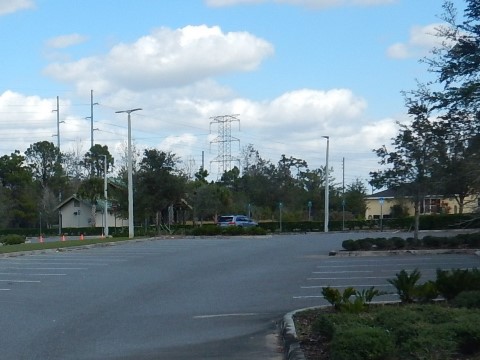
77	213
383	204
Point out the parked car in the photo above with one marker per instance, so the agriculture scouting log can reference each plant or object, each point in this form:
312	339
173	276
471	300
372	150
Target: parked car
236	220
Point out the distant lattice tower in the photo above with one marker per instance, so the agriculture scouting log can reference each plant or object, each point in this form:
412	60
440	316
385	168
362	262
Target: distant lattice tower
224	140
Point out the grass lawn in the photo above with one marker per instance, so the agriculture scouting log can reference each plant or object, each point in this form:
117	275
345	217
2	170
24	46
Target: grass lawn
57	244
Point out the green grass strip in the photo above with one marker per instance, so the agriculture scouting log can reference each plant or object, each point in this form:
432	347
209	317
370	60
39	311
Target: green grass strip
57	244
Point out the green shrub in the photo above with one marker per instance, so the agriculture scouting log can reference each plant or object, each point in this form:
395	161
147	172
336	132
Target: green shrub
324	326
350	245
365	244
433	241
398	242
12	239
406	285
467	336
450	283
426	292
382	243
359	343
467	299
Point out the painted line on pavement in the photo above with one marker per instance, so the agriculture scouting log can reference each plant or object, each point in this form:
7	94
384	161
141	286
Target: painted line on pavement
20	281
41	268
344	286
223	315
348	278
28	274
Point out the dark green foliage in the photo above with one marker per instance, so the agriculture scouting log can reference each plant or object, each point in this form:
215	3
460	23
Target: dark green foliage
467	299
450	283
362	343
324	326
426	292
342	301
12	239
350	245
428	242
406	284
211	230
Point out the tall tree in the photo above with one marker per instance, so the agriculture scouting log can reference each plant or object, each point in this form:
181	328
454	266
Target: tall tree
44	158
159	183
411	164
94	160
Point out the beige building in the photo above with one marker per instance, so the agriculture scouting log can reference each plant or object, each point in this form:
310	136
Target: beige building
77	213
385	204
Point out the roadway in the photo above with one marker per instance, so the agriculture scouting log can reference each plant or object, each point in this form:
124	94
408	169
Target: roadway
202	298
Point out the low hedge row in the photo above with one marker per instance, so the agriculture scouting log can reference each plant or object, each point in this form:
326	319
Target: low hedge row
471	241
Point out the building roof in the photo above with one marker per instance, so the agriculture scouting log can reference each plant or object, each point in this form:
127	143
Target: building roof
388	193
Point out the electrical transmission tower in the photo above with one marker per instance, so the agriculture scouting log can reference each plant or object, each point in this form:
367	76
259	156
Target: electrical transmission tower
224	140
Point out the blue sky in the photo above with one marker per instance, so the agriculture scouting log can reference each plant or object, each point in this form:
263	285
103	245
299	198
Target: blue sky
293	71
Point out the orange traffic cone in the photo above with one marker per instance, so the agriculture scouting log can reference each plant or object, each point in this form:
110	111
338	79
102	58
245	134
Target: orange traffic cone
63	237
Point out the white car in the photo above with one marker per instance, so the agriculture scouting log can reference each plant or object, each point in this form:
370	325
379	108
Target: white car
236	220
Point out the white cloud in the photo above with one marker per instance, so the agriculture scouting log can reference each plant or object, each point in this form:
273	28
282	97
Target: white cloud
11	6
320	4
422	39
64	41
166	58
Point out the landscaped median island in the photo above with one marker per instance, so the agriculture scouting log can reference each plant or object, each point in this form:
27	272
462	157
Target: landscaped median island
459	241
436	320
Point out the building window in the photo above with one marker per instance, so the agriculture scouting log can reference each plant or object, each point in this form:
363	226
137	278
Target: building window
76	203
430	206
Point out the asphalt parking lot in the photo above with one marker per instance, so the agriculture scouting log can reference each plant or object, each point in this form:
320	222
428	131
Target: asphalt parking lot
180	299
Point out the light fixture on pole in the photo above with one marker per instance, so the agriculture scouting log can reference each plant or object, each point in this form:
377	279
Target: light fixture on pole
105	185
131	232
326	186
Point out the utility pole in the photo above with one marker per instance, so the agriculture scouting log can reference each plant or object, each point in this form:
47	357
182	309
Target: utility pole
105	186
326	186
343	193
57	110
91	118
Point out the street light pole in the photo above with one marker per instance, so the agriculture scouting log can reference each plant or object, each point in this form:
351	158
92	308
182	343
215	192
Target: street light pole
105	185
326	186
131	232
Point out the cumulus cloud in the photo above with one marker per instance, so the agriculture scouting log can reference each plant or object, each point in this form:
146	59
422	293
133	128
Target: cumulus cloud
64	41
319	4
166	58
422	39
11	6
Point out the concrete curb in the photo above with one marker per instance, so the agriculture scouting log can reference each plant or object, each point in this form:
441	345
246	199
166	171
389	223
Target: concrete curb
291	343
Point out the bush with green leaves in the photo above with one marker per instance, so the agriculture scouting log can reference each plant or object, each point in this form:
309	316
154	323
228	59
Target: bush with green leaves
406	285
362	342
467	299
342	301
12	239
450	283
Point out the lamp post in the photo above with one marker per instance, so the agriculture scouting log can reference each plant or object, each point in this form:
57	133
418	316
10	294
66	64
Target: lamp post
326	186
131	232
105	185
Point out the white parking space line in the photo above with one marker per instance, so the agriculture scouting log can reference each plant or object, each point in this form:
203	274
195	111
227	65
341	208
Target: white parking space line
19	281
345	286
31	274
349	278
41	268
